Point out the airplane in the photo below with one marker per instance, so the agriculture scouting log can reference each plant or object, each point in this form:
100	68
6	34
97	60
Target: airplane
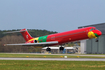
58	38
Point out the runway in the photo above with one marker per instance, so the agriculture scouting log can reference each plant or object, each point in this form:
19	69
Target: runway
56	59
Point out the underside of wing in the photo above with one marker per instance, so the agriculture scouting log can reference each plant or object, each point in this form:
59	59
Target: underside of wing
43	44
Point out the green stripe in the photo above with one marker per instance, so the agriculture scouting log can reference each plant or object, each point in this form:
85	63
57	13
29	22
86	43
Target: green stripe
96	35
43	38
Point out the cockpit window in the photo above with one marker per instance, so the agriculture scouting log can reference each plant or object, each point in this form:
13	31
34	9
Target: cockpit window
92	29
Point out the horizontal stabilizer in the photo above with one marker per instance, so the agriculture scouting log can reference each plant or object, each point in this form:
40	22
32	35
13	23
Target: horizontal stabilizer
24	33
14	31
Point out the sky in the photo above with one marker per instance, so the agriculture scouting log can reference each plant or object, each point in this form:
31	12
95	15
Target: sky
52	15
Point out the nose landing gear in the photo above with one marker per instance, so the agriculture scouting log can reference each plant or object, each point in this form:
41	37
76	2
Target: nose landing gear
96	39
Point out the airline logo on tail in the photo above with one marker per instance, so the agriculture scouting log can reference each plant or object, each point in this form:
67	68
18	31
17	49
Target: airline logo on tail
25	34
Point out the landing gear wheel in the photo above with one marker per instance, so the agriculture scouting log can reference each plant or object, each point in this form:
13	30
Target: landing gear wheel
48	49
96	40
61	48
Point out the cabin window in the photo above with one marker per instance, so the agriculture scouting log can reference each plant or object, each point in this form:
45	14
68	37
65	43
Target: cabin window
53	38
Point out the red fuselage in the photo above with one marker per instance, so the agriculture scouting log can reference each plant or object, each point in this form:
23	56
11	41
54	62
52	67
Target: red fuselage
64	37
73	35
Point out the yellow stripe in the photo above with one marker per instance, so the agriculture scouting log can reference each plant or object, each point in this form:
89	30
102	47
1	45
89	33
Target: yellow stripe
91	34
33	39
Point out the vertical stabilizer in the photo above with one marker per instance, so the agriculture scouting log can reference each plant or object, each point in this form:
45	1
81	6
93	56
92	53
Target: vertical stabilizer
25	34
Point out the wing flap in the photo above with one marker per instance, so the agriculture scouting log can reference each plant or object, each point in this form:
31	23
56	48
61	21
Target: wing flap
34	44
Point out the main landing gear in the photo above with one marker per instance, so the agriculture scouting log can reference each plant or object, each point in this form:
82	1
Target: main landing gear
61	48
48	49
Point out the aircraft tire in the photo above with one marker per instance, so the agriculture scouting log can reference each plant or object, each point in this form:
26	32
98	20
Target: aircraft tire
61	48
48	49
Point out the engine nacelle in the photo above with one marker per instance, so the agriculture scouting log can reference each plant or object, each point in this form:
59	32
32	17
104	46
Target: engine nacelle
35	41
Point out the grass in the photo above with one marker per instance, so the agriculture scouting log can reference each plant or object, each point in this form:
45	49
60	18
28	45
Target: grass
45	56
51	65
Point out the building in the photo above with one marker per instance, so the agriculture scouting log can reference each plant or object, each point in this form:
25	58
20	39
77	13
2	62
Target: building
90	46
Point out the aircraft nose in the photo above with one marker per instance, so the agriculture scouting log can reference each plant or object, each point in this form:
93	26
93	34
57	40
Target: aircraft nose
97	33
94	34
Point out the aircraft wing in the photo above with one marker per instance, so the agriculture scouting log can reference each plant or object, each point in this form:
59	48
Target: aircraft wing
34	44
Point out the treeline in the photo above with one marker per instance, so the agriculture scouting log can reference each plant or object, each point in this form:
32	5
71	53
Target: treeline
33	32
17	38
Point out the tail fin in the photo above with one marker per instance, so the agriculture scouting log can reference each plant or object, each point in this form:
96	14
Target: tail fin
25	34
